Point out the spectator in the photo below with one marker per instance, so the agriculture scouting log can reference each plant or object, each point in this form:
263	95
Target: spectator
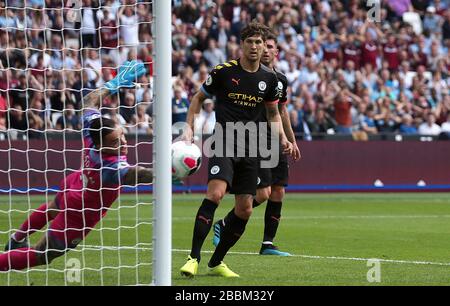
432	22
69	119
180	106
407	126
213	55
128	110
128	26
17	118
18	95
141	122
205	122
367	119
113	114
93	65
322	122
89	23
429	127
391	54
342	106
108	32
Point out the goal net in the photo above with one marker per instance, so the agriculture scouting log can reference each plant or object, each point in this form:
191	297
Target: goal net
52	54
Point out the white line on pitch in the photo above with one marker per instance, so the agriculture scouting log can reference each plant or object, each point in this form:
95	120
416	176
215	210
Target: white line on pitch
410	262
341	258
344	217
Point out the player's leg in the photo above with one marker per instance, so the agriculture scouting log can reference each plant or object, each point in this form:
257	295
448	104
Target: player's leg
205	215
272	216
43	253
244	187
219	179
262	194
36	221
234	226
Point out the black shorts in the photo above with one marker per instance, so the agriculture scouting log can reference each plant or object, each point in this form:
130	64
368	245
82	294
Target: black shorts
240	173
278	176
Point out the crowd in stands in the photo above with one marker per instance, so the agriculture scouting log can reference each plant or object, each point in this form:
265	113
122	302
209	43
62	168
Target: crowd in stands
350	68
51	57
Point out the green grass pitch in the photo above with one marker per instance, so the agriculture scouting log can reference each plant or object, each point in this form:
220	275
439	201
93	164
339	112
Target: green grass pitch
330	235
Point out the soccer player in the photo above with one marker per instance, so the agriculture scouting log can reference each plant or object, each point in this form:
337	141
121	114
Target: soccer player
272	182
243	88
86	194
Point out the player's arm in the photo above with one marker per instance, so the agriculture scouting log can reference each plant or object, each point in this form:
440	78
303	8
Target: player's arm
138	175
274	118
129	71
194	109
287	127
94	99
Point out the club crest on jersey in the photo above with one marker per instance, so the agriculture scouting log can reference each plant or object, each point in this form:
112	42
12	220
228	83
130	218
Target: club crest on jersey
215	170
209	80
280	89
262	85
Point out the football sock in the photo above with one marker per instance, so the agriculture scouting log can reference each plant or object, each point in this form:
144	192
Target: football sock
203	223
18	259
271	220
37	220
233	229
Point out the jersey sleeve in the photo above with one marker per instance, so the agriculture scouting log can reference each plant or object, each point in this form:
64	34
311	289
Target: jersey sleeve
210	86
272	95
283	83
113	173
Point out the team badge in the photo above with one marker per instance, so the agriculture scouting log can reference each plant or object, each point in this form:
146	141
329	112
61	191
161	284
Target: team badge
262	85
215	170
280	89
209	80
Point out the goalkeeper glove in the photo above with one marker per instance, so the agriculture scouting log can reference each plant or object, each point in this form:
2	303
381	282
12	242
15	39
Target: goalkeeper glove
128	73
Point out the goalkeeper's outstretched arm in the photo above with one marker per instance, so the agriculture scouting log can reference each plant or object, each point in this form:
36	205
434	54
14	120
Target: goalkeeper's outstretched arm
129	71
138	175
94	99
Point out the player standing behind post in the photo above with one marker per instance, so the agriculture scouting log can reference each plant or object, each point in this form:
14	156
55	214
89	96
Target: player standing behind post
272	182
237	85
86	194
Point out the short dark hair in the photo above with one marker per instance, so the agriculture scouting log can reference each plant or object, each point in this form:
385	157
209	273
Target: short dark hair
254	28
270	35
100	128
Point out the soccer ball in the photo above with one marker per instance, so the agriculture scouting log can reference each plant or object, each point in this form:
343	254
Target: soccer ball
186	159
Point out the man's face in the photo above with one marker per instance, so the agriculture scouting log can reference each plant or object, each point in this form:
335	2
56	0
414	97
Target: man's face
270	52
253	48
115	143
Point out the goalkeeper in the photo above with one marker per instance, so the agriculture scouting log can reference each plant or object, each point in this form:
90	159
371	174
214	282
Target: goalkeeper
85	195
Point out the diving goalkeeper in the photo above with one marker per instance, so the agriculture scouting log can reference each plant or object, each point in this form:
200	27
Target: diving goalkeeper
85	195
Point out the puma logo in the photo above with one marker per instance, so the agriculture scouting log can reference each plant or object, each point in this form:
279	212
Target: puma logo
275	218
207	221
236	81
